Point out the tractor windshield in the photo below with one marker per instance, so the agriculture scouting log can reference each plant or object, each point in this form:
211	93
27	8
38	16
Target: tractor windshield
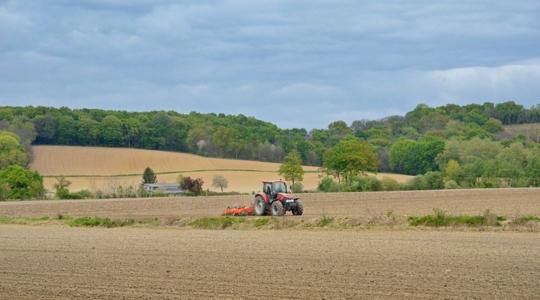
279	187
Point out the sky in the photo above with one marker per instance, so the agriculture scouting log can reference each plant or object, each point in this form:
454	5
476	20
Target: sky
297	63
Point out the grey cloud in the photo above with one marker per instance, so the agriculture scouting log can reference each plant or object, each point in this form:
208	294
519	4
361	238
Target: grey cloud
297	63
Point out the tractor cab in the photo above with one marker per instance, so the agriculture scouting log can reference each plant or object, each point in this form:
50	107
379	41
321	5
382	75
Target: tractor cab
273	188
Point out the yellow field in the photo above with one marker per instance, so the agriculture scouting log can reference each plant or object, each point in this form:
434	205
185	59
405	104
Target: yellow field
102	168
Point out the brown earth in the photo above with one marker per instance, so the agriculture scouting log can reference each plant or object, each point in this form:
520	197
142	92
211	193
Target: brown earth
94	168
507	202
49	262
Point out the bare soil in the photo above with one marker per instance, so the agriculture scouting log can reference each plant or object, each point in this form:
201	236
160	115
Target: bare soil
506	202
65	263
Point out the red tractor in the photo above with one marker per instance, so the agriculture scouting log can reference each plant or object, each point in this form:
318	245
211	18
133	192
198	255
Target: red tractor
275	200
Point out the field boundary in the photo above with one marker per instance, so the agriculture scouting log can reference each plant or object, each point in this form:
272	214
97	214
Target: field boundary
169	172
440	220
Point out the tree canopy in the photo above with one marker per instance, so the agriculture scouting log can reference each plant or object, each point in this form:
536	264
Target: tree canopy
350	157
291	168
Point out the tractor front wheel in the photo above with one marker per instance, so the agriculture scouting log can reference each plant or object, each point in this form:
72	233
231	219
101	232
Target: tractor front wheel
277	209
299	210
260	206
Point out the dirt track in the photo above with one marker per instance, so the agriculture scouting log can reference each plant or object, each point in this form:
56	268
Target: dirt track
60	262
508	202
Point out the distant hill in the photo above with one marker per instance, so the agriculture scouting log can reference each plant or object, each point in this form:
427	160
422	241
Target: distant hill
100	168
244	137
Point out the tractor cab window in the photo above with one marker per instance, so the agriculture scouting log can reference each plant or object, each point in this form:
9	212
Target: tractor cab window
267	188
279	187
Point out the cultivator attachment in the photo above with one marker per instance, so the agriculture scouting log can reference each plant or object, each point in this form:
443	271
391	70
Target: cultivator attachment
239	211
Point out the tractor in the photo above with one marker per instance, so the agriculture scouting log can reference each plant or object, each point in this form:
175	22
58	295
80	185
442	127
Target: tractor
275	200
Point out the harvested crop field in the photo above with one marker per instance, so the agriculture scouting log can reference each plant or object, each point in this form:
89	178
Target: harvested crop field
507	202
99	168
59	262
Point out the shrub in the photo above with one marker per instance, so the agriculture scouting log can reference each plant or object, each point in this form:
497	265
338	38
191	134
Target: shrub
525	219
328	185
434	180
4	191
441	218
363	184
297	187
324	221
390	184
450	185
195	186
216	222
98	222
428	181
20	183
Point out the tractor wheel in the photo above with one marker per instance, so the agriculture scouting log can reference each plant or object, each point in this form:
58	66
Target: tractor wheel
277	209
259	206
299	210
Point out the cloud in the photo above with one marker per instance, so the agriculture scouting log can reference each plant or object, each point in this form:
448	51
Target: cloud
299	64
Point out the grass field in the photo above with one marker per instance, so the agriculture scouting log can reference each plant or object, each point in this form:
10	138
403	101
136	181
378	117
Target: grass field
101	168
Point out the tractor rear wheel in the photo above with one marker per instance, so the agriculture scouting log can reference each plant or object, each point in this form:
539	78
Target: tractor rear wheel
260	206
299	210
277	209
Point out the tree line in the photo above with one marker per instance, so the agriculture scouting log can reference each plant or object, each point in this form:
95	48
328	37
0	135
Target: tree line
405	144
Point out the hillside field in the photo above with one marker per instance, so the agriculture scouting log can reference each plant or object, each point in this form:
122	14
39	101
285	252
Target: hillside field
100	168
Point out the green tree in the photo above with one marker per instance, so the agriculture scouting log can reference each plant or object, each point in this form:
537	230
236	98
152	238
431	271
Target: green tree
415	157
220	182
291	168
11	150
533	170
452	170
111	131
351	157
21	183
149	176
223	139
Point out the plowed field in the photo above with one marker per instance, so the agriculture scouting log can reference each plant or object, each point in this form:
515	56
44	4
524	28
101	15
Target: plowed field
507	202
125	263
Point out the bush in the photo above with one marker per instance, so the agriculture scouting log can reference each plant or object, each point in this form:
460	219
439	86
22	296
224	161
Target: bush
434	180
297	187
20	183
390	184
450	185
328	185
98	222
441	218
195	186
4	191
363	184
429	181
